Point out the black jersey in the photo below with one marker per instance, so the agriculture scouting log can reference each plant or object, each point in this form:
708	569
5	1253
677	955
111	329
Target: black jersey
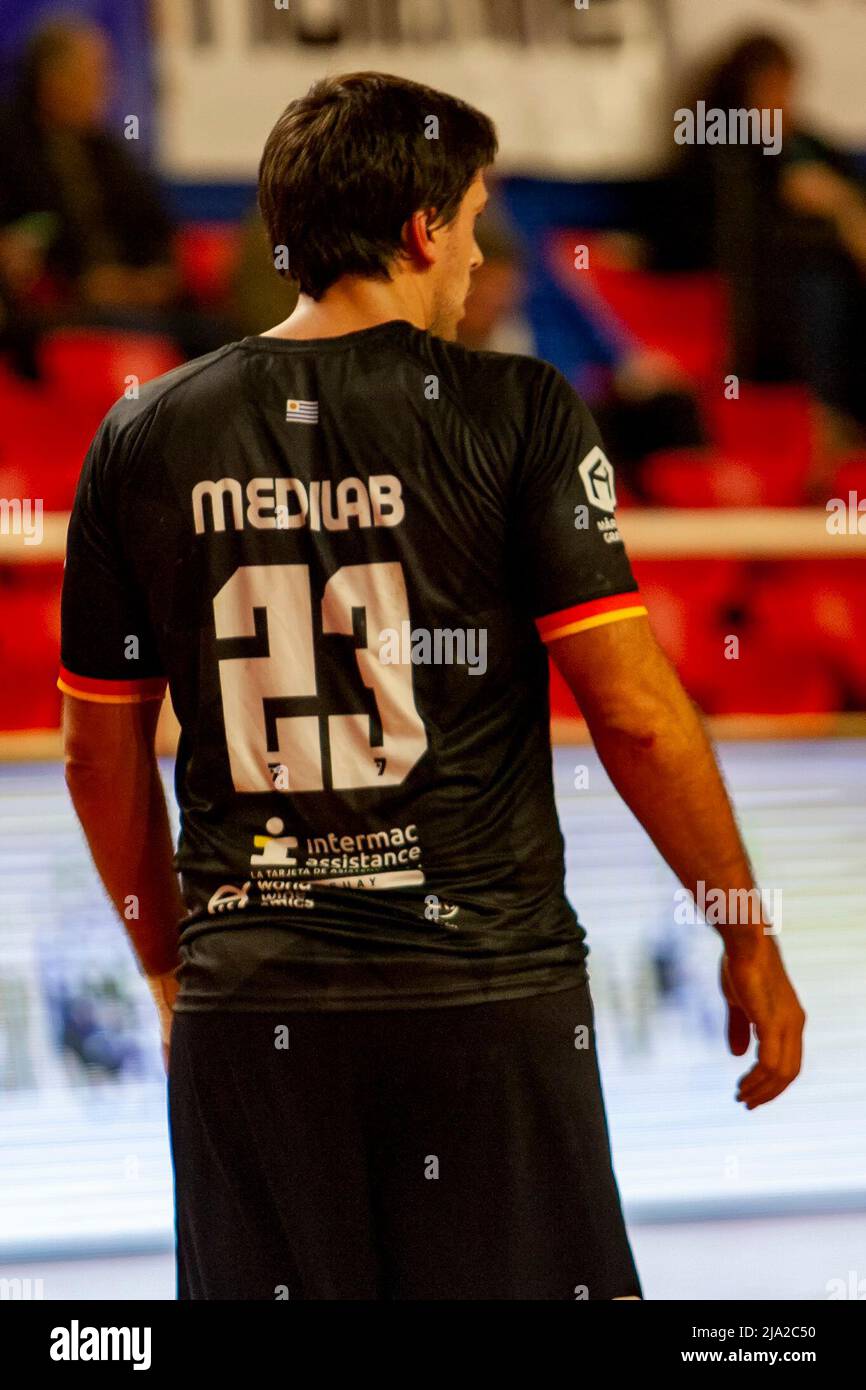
343	556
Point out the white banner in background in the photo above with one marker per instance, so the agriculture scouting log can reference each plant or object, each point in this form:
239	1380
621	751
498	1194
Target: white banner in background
577	88
570	89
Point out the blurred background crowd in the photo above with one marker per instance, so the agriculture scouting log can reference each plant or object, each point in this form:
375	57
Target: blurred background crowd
711	309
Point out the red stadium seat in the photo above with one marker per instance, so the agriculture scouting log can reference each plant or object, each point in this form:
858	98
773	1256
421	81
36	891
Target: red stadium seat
47	427
764	439
30	646
762	458
42	444
817	608
704	478
97	366
683	315
687	602
719	585
770	431
207	253
770	678
850	476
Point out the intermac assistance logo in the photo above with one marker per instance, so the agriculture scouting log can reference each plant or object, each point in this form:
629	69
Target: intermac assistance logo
596	474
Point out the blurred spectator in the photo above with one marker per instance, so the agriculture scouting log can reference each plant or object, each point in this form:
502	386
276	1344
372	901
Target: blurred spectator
788	231
643	400
646	405
495	317
84	234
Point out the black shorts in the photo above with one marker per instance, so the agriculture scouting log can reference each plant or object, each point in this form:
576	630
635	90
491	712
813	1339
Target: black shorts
453	1153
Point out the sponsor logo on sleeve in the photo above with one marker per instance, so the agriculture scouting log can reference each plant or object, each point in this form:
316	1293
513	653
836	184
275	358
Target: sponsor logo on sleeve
596	473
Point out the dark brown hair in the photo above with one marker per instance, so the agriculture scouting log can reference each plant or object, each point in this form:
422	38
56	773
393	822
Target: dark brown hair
347	165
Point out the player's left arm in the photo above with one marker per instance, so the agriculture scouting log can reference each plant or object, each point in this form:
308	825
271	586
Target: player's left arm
113	684
114	782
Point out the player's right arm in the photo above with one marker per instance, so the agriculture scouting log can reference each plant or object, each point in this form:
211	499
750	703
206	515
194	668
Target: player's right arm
654	748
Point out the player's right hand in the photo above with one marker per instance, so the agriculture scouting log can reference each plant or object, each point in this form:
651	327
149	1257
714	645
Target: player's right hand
760	996
164	989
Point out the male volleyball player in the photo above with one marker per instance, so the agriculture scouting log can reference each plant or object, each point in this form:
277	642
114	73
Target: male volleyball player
347	547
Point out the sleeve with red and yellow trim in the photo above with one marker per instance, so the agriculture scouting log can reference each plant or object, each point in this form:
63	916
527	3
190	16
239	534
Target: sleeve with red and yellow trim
573	567
107	650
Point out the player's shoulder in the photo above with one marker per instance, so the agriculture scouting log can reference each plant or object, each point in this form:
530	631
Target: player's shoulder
203	380
476	374
503	392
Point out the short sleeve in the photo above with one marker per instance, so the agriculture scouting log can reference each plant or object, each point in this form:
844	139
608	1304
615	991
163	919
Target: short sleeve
573	567
108	653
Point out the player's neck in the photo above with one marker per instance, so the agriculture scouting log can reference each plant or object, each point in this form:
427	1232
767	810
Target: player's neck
352	304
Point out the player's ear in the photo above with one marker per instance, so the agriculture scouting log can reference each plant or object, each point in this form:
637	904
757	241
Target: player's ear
419	236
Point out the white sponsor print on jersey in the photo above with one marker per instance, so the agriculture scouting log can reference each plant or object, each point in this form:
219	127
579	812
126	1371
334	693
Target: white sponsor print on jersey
596	474
228	898
384	858
272	504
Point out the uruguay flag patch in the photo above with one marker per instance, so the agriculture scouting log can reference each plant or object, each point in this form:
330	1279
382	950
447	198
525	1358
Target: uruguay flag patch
302	412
